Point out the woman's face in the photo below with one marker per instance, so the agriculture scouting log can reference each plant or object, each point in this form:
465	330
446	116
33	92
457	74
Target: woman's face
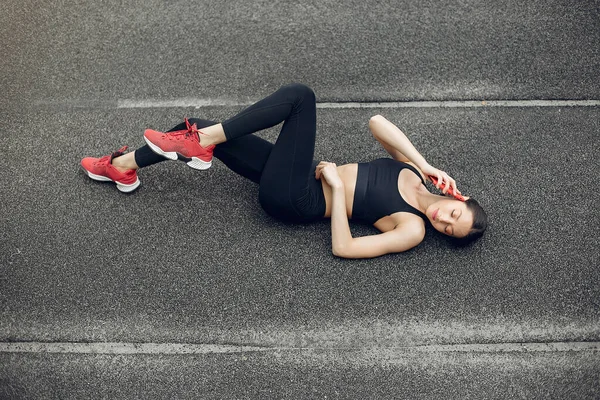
451	217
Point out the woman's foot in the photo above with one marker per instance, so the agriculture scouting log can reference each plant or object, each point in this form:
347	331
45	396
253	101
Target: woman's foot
181	145
102	169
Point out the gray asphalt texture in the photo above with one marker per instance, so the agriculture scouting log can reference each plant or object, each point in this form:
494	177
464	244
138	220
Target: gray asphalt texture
345	50
190	257
281	376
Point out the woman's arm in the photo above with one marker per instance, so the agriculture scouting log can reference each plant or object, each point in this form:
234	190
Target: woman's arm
341	237
395	141
344	245
400	148
342	242
400	239
340	229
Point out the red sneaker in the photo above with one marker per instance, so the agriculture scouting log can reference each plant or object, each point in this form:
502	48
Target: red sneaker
183	145
101	169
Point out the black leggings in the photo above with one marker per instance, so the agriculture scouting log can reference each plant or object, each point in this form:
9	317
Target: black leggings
285	170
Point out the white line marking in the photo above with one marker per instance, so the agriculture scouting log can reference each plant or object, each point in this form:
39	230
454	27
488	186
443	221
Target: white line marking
465	104
184	348
180	103
199	103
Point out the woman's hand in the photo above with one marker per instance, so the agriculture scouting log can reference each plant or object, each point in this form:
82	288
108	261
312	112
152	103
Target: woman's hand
328	171
442	177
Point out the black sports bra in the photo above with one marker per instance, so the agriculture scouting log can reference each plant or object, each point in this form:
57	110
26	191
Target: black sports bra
376	194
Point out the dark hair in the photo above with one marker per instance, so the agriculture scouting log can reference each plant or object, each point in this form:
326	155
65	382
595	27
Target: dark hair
480	223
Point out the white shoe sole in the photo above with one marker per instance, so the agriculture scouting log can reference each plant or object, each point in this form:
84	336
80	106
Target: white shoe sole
123	187
193	162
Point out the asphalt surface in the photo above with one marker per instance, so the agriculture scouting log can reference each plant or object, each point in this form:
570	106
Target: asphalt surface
301	375
190	257
74	51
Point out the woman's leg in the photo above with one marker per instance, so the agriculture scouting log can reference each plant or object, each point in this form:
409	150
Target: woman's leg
144	156
285	171
288	189
246	155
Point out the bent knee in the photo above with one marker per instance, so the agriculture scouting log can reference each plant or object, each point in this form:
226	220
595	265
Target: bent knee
300	90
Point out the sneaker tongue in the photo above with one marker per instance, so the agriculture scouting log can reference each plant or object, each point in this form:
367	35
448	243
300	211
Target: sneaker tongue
118	153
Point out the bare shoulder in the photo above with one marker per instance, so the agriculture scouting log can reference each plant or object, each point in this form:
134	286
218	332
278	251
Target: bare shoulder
408	234
413	228
409	228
